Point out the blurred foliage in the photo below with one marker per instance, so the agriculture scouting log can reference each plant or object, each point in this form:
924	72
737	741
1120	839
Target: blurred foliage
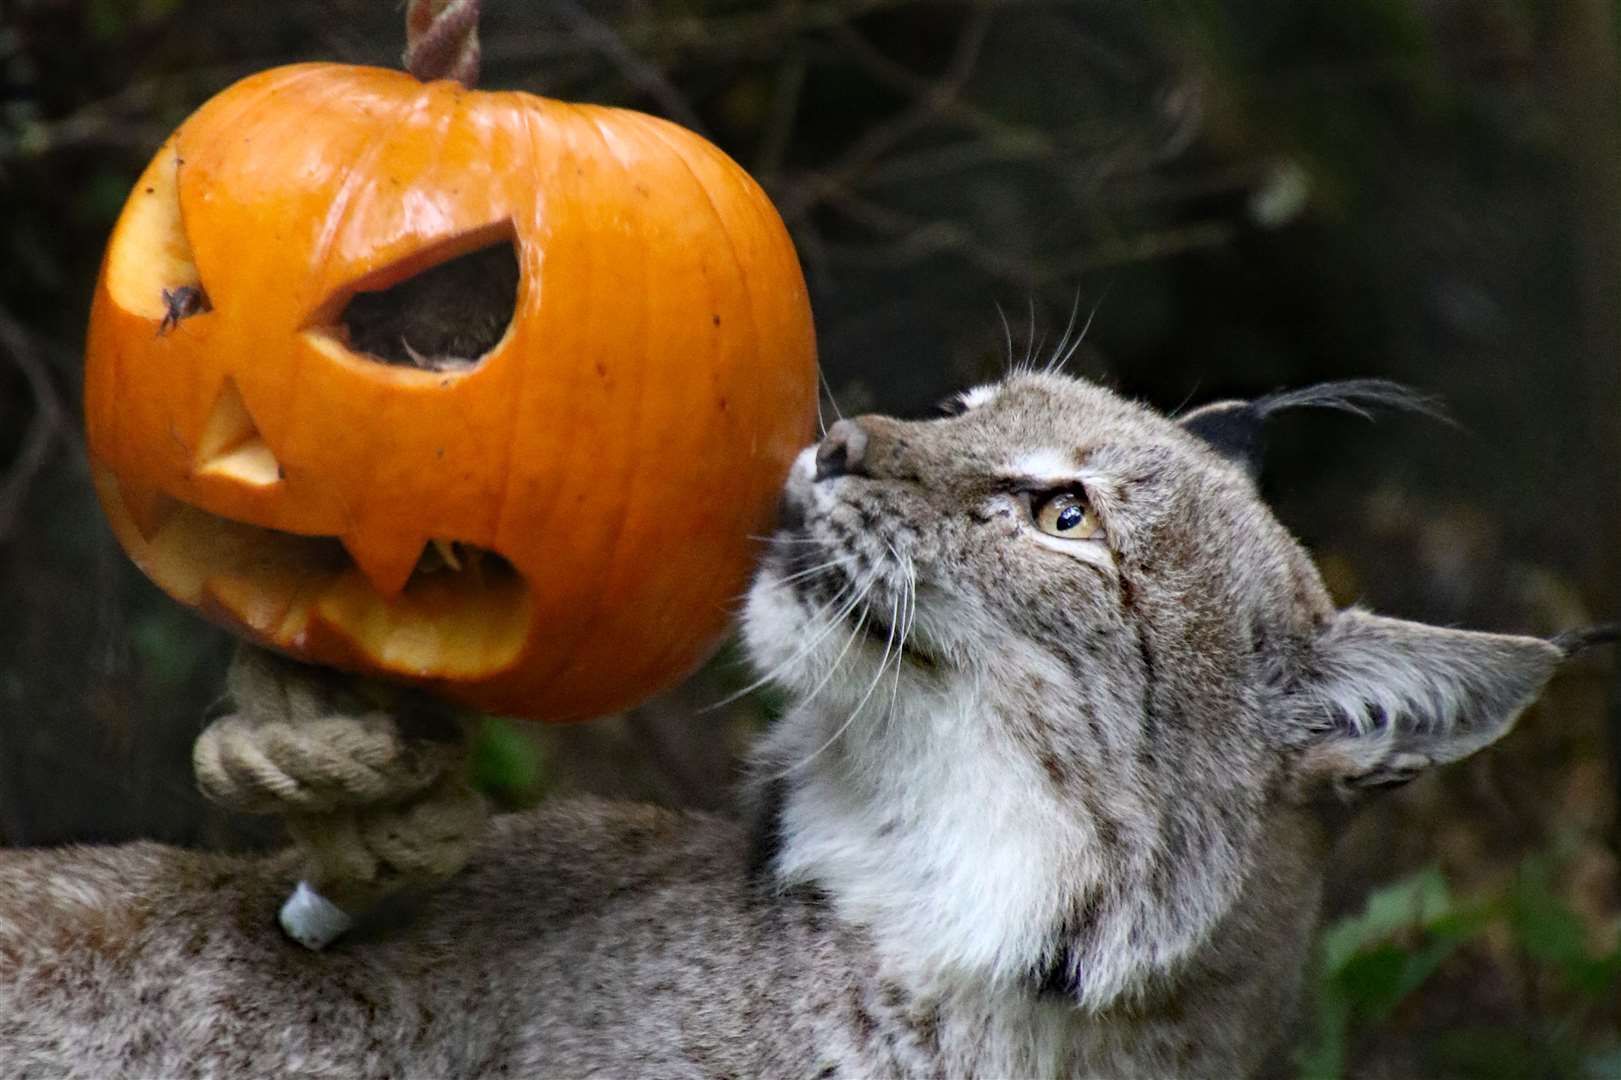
1241	194
1369	964
505	765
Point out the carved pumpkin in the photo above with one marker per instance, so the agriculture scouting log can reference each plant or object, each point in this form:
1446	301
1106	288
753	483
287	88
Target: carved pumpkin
548	514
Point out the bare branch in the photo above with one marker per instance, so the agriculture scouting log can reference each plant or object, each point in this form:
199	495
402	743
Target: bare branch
125	120
636	70
715	36
881	138
779	129
1008	138
18	346
915	240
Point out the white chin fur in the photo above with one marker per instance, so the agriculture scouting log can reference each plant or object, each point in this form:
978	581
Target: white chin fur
787	641
796	650
774	629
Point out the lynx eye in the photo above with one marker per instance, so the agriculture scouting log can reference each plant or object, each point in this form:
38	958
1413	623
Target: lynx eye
1066	515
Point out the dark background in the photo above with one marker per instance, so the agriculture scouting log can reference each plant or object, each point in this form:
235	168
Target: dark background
1248	194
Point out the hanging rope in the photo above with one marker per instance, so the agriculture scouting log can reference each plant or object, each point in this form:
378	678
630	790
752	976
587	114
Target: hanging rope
441	40
377	801
376	798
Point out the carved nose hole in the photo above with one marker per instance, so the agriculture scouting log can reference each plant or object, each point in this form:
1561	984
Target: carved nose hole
445	318
843	451
230	444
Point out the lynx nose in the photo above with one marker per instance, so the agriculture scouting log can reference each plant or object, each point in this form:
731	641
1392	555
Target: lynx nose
842	451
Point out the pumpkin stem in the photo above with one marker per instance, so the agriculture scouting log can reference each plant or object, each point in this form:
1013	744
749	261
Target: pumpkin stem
441	40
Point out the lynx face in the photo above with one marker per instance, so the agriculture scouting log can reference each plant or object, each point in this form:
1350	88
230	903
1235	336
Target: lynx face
1061	677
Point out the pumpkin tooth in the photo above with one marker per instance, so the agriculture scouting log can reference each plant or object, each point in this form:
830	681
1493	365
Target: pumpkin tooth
447	552
149	508
384	557
424	362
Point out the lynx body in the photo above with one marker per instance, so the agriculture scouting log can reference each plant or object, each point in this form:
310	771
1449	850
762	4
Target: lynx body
1073	725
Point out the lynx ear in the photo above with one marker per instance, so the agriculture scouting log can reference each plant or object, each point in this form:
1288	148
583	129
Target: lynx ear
1236	429
1383	699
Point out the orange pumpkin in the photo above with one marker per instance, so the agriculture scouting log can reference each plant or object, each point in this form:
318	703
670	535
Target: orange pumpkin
555	528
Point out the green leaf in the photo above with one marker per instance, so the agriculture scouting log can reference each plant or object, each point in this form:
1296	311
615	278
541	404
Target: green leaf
1413	901
99	201
503	763
1553	934
1322	1057
167	646
1491	1054
1377	980
1364	974
105	19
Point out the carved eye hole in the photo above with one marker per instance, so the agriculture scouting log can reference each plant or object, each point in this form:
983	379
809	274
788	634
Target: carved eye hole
152	271
1066	515
444	318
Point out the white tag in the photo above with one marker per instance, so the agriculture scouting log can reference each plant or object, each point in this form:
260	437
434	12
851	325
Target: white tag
312	920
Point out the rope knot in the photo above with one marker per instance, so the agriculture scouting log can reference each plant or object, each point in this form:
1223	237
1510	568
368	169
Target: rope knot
441	40
377	801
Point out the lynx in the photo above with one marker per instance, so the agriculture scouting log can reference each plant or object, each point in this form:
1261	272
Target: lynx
1073	725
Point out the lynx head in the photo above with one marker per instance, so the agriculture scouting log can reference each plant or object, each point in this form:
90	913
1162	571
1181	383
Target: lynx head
1064	688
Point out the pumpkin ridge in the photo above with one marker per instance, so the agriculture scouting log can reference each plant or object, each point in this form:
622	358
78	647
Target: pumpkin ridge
652	127
530	285
337	218
356	177
215	115
592	622
210	120
542	150
557	149
198	147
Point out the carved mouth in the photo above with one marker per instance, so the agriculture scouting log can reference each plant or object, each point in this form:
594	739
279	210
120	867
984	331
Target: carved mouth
461	611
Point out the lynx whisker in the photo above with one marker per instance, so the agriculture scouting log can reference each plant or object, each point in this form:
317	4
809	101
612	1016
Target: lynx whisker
1062	356
832	400
1007	335
908	623
1030	337
883	666
804	650
838	661
1053	361
809	571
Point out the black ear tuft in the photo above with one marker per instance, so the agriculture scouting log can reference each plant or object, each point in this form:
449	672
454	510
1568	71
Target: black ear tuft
1572	642
1236	429
1359	396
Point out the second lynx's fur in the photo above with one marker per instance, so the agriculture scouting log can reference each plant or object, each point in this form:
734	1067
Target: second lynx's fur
1073	725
